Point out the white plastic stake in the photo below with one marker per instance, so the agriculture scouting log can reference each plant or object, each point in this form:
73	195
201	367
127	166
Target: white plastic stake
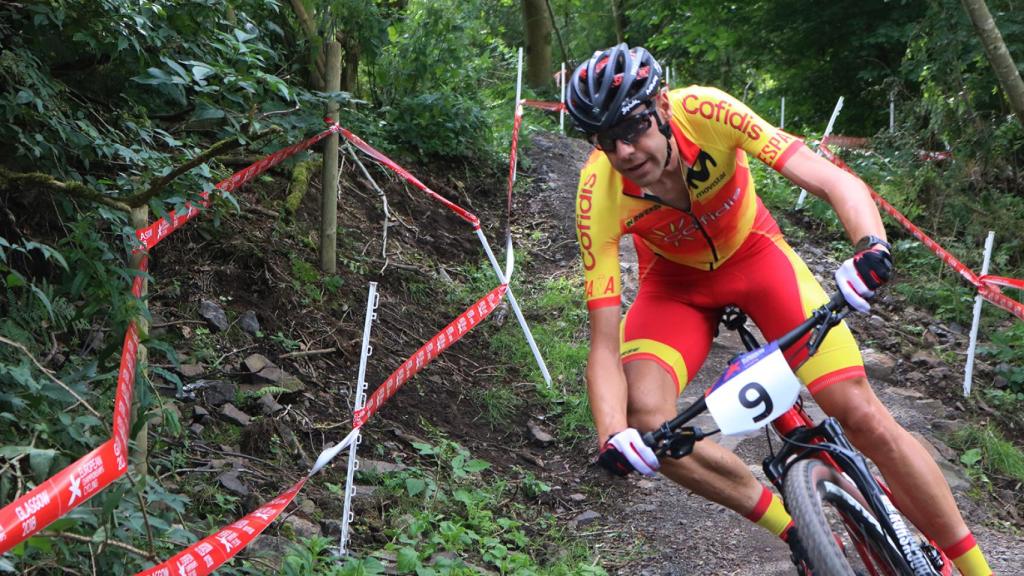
828	130
782	114
519	78
969	368
561	112
517	112
515	308
372	300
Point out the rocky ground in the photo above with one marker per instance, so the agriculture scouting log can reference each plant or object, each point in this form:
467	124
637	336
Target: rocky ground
269	363
682	534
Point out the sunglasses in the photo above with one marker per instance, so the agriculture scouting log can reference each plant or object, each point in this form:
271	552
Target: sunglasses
628	131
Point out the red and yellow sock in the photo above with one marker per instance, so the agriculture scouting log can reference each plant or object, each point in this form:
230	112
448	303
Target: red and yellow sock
770	514
967	557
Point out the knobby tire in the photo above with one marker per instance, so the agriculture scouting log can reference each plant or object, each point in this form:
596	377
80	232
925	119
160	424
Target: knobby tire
810	487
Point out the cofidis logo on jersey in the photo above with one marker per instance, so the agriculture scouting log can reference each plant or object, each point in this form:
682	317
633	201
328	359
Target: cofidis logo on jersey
721	111
584	204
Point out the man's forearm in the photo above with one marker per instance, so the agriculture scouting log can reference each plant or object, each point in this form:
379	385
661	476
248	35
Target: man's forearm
608	393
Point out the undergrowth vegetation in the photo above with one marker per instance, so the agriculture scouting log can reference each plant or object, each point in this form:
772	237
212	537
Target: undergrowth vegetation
112	107
449	516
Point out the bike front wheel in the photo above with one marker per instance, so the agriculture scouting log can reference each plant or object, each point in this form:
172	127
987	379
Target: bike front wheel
831	517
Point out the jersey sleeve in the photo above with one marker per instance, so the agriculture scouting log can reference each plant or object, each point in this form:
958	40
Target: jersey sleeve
598	233
728	122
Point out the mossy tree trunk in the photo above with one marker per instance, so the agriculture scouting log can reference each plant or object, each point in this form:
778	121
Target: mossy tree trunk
537	23
329	200
998	55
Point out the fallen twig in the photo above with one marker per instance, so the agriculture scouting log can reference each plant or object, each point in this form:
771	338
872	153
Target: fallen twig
114	543
50	375
308	353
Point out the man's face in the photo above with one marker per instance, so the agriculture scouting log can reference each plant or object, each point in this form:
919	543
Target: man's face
634	146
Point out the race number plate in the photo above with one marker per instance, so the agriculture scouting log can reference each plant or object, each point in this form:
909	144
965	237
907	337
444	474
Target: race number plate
756	389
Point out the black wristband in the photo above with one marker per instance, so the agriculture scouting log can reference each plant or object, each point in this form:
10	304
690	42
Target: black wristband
867	242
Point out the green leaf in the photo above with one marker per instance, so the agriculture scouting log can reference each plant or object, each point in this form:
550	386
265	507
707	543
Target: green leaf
24	97
249	33
176	67
15	280
971	457
414	486
44	299
475	465
40	461
408	560
154	76
424	449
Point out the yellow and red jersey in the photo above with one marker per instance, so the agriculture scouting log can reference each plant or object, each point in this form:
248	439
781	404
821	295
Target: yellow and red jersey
715	133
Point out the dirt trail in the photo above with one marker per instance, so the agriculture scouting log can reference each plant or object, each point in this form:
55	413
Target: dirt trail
679	533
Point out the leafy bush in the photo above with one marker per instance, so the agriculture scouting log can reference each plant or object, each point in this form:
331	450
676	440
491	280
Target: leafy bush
441	125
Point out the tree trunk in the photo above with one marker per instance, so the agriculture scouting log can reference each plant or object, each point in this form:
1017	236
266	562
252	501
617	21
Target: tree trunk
350	69
998	56
538	43
619	15
309	26
329	198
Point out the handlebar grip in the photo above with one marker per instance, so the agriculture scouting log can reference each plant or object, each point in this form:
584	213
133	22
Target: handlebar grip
649	439
837	303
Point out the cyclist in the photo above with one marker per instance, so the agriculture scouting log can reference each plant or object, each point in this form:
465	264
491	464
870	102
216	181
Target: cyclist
670	167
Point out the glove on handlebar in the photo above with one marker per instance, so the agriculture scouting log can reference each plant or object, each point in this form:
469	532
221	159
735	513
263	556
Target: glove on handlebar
625	452
859	277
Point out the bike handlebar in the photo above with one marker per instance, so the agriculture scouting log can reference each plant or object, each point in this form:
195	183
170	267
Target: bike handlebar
828	315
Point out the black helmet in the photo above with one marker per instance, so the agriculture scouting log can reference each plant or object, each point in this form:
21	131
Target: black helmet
610	85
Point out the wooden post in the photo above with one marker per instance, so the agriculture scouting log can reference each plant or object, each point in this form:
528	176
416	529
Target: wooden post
329	199
140	219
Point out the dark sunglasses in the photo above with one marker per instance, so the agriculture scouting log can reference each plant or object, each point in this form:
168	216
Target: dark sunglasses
628	131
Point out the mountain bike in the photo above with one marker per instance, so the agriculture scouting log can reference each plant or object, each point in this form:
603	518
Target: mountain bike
835	501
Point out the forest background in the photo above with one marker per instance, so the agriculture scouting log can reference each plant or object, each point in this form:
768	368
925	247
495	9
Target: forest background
111	106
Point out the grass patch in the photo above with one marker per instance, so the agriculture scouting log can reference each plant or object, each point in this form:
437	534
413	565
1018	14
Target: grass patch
449	516
987	453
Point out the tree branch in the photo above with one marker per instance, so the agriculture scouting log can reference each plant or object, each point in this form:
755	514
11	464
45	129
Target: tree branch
217	149
114	543
38	180
50	374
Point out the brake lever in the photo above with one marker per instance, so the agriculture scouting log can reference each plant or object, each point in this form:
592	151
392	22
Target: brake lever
818	336
676	443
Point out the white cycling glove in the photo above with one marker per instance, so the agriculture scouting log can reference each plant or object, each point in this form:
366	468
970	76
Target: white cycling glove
860	276
625	452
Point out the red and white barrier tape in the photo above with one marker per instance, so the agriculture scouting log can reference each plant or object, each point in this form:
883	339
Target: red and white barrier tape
151	235
380	157
211	552
96	470
441	341
542	105
988	289
1001	281
512	165
108	462
88	475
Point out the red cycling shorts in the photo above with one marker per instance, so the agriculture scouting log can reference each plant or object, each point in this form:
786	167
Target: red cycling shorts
673	319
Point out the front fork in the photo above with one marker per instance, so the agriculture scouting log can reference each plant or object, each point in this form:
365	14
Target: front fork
827	442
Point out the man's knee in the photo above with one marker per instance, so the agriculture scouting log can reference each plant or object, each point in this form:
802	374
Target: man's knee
652	395
865	420
647	418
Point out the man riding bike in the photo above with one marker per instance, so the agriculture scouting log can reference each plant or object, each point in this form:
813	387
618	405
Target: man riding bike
670	167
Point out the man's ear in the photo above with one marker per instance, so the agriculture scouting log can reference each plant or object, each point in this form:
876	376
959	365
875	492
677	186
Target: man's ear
664	113
663	104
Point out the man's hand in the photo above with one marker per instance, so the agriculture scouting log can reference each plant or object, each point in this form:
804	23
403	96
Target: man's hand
860	276
625	452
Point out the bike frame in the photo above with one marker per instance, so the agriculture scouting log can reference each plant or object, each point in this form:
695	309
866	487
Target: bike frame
825	441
